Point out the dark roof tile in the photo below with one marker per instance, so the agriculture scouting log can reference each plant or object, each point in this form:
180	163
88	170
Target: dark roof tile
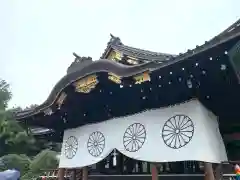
115	43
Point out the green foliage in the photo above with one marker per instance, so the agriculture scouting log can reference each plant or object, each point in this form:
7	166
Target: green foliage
16	145
5	94
13	136
30	175
20	162
46	159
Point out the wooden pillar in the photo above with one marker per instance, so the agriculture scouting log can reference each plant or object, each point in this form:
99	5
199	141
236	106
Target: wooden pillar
154	171
85	173
208	171
74	173
218	172
61	172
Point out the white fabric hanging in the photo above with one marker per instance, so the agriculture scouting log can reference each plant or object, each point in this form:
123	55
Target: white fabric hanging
183	132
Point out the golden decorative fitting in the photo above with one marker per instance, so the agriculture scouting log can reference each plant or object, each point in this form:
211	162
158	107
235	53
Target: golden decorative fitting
115	56
118	56
143	77
61	99
132	60
85	85
114	78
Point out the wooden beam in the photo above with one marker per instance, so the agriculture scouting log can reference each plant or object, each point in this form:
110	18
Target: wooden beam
85	173
208	172
154	172
61	173
74	174
218	172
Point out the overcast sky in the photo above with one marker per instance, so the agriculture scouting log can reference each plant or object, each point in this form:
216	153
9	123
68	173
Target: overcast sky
37	37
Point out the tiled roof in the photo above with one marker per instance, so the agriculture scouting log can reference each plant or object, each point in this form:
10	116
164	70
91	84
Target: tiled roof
143	54
115	43
229	33
233	32
231	29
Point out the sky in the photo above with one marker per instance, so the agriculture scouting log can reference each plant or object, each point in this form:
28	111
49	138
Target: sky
38	37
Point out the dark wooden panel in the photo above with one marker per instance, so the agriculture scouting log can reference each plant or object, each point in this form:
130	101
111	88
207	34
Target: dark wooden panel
148	177
161	177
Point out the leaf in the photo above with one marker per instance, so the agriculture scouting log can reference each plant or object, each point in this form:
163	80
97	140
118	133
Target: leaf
19	162
46	159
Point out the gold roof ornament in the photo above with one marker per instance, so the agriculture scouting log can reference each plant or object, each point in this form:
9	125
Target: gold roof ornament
143	77
86	84
118	55
115	55
115	78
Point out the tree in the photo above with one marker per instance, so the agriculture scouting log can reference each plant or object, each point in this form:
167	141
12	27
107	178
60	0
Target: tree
46	159
13	136
16	145
20	162
5	94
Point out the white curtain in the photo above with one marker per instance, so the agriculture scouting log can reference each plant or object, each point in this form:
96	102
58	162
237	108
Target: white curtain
183	132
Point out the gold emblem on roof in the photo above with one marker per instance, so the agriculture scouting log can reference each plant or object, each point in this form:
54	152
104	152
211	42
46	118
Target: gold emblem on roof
86	84
143	77
115	78
115	55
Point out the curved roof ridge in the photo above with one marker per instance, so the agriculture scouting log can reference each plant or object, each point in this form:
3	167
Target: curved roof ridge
116	43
